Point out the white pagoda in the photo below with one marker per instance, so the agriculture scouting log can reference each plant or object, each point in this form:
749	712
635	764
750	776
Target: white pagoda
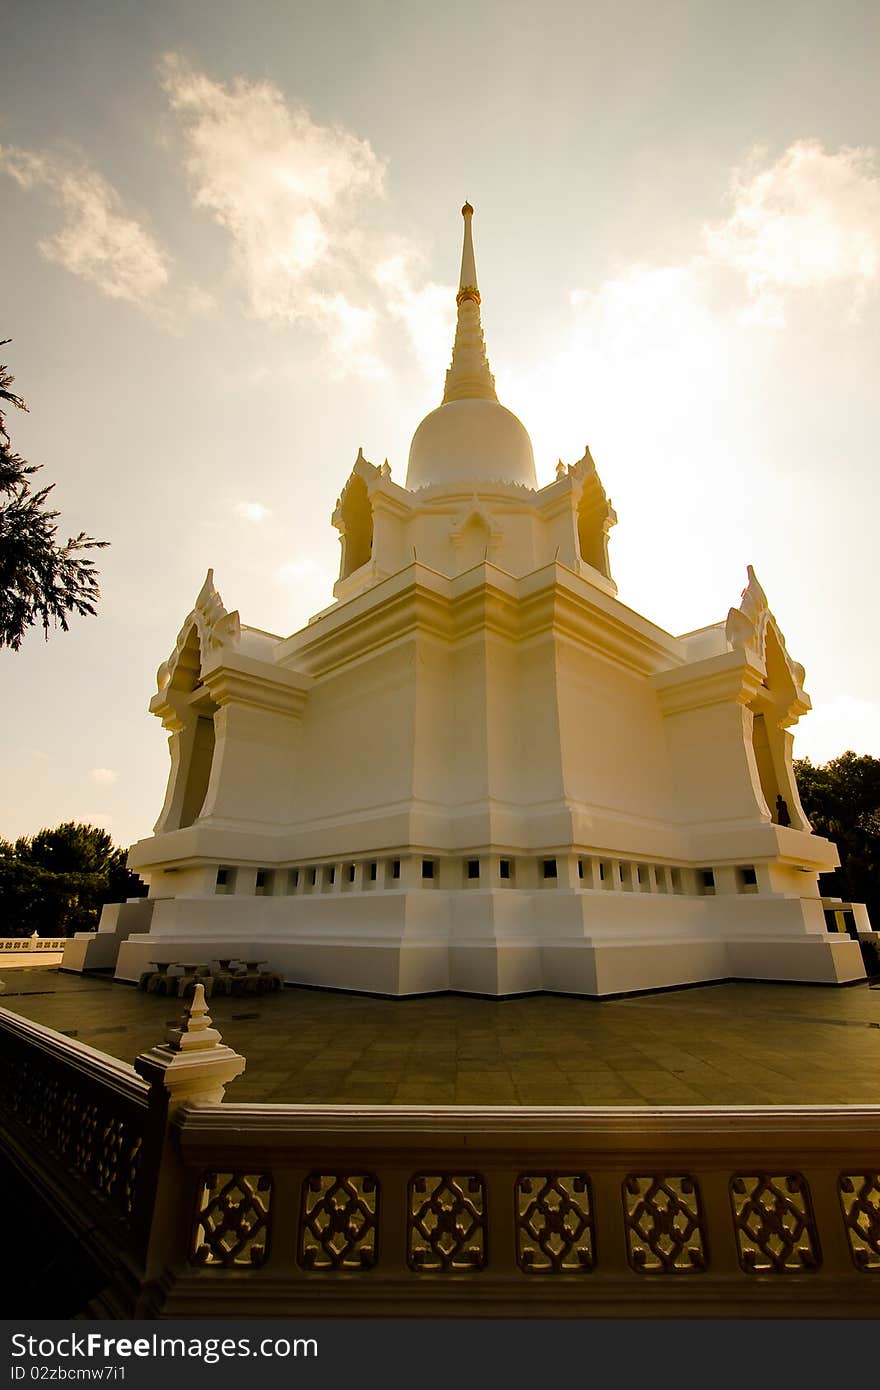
478	770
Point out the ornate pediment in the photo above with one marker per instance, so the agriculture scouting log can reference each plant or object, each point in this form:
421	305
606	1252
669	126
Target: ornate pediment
475	513
212	627
753	629
365	471
745	625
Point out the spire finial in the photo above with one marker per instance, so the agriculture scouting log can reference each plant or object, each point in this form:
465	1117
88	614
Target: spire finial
469	377
467	284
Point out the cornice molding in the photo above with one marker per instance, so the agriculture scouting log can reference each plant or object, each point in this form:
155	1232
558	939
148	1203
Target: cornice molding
419	600
725	679
258	685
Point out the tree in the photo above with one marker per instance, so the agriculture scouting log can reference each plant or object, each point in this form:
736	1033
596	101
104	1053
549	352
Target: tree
40	580
55	882
842	802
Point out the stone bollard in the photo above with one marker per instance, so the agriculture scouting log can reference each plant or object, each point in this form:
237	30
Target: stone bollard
192	1067
192	1064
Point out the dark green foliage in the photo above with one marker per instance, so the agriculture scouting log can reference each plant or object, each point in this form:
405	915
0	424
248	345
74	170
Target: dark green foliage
55	882
842	802
40	581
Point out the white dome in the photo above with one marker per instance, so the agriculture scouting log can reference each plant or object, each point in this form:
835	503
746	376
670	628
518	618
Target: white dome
468	440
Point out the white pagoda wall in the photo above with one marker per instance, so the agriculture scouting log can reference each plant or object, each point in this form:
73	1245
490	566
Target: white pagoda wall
461	720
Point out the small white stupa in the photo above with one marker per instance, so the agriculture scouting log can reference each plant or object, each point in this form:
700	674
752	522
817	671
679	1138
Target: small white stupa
478	770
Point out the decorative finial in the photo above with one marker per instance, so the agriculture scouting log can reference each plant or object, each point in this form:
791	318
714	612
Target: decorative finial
194	1030
467	210
193	1064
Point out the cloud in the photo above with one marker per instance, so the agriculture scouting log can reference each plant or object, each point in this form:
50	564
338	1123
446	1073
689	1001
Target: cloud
252	511
97	240
351	330
660	357
641	364
427	311
289	191
303	204
299	572
810	220
103	775
308	589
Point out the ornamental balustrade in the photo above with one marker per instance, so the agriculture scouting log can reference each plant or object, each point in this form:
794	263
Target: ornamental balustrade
83	1126
271	1210
11	944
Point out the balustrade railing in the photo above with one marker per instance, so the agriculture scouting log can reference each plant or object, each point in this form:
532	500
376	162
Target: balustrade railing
80	1122
499	1212
274	1210
11	944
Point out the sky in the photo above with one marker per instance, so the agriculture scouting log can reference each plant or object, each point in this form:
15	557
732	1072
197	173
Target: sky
230	237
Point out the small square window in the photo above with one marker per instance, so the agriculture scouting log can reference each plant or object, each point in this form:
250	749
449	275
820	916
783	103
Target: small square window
601	872
293	878
395	869
331	874
580	868
504	868
373	871
550	868
226	878
313	876
749	876
261	878
707	877
473	868
351	873
427	868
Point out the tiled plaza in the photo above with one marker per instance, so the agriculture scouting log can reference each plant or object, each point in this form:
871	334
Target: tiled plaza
728	1044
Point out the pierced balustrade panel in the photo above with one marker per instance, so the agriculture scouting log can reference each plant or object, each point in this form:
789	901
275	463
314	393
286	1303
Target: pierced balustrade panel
446	1223
83	1155
775	1229
78	1119
554	1223
663	1218
860	1201
231	1226
339	1221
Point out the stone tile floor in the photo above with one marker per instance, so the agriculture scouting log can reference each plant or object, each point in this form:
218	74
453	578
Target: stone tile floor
728	1044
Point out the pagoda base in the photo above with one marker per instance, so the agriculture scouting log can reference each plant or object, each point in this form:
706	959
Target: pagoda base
501	943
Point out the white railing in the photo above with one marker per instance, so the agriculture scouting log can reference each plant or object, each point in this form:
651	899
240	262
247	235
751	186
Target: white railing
277	1210
719	1211
9	944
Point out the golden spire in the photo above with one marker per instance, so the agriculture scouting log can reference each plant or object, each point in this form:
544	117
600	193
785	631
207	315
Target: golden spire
467	283
469	377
